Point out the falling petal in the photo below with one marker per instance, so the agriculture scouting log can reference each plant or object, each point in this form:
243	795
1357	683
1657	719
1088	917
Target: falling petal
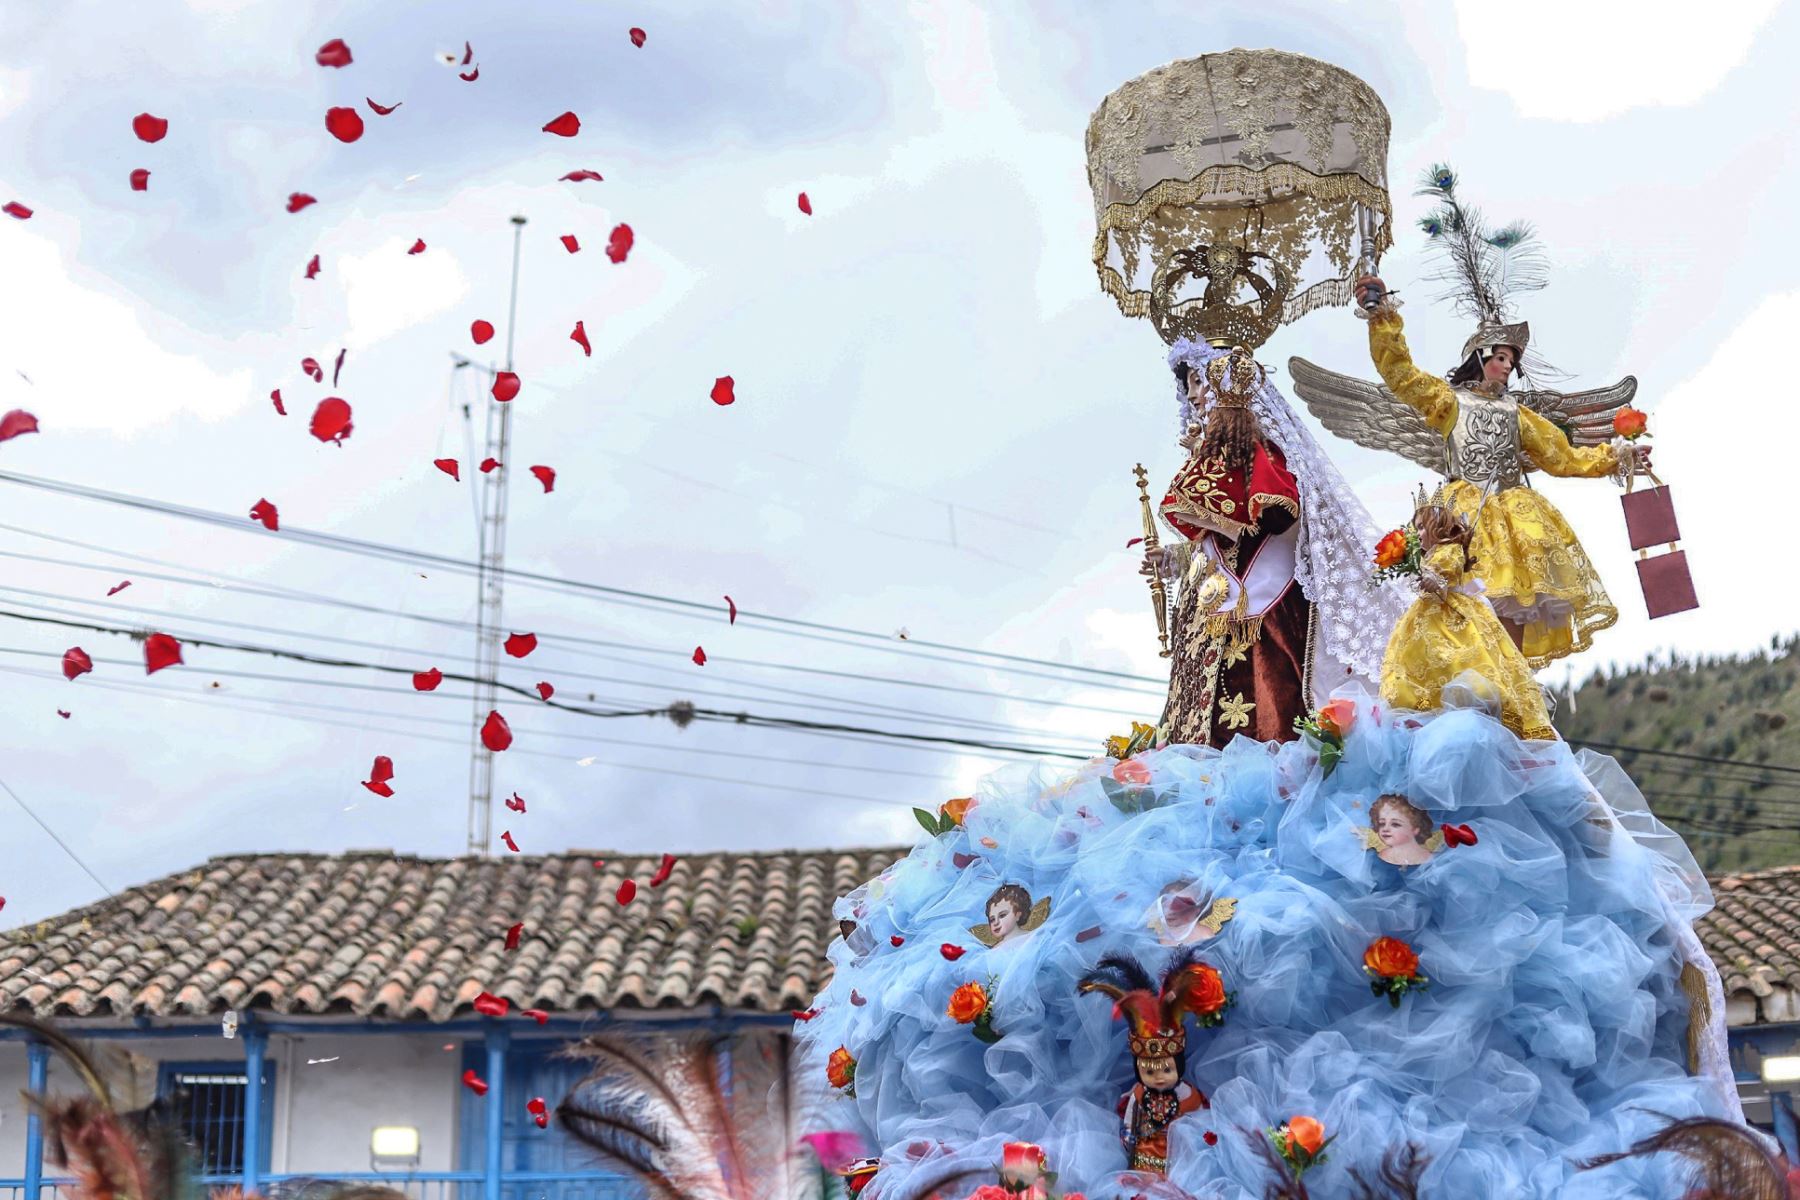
731	608
331	420
140	180
265	512
951	951
418	247
699	656
312	267
449	467
723	390
507	840
496	735
582	174
541	1120
567	125
627	892
311	367
113	591
515	802
488	464
618	243
64	714
547	477
299	200
160	650
468	54
1134	541
333	54
382	110
338	365
379	774
469	76
536	1014
506	385
535	1105
662	870
13	208
344	124
570	244
520	644
805	204
579	337
427	681
474	1082
149	128
76	662
637	36
481	331
545	691
280	408
513	934
17	423
490	1005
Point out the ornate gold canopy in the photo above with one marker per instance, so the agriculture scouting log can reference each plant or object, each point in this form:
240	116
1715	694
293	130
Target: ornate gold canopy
1235	192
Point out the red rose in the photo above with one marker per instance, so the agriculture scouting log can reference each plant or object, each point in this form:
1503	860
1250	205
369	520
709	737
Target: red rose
1629	423
1391	550
840	1068
1306	1133
1390	958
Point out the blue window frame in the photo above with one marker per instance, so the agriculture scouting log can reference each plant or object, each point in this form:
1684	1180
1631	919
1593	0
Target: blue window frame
206	1101
532	1069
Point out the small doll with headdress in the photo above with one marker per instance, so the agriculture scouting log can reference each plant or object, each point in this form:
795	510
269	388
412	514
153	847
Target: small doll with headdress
1157	1036
1451	633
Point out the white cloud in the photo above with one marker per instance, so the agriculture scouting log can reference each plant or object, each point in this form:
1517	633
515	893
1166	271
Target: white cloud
1594	60
388	291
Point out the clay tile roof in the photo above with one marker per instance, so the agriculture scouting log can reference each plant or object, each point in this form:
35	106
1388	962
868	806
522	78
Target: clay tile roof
375	934
1753	932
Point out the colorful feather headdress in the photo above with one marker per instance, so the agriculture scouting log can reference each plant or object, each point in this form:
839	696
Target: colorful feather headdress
1157	1018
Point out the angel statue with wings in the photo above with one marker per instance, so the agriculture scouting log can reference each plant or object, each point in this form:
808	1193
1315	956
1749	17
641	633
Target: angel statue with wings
1483	435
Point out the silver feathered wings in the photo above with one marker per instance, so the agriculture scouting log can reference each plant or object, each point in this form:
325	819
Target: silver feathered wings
1370	415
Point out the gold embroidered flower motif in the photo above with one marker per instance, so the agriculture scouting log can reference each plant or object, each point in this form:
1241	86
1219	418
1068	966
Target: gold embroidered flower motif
1235	653
1235	712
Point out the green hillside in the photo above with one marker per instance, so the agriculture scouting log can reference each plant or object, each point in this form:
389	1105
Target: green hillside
1738	814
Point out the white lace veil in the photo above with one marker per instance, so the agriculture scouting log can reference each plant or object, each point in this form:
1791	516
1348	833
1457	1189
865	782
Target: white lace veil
1334	563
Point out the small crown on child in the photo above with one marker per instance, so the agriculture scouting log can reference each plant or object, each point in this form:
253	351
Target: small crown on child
1233	378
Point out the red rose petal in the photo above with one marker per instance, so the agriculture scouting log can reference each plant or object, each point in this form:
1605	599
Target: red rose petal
520	644
581	175
951	952
495	733
805	204
382	110
480	331
547	477
338	365
803	1014
506	385
469	76
536	1014
724	390
637	36
299	200
160	650
545	690
265	512
140	180
280	408
17	423
515	802
731	607
488	464
662	870
618	243
699	656
468	53
542	1120
897	941
344	124
13	208
567	125
427	681
113	591
627	892
535	1105
418	247
1134	541
312	267
333	54
579	337
490	1005
64	714
474	1082
149	128
76	662
331	420
311	367
507	840
449	467
1210	1138
379	774
569	243
513	934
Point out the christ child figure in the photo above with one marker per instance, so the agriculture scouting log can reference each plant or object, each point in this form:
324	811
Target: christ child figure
1010	915
1401	834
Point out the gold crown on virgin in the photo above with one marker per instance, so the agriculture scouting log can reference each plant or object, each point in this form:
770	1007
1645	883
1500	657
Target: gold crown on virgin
1233	378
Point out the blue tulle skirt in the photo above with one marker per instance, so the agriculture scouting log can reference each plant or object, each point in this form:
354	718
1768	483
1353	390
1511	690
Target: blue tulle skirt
1554	1026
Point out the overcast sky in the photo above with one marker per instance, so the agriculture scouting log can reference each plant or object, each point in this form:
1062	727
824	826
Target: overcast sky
937	413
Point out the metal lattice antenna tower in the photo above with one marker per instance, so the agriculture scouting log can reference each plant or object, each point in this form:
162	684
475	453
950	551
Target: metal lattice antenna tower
490	581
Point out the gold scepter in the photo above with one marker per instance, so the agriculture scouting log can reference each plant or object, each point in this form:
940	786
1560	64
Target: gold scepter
1159	594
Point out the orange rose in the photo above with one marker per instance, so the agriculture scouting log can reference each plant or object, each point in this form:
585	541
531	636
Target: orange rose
957	809
1306	1133
967	1003
1629	423
1390	958
1131	771
840	1068
1207	995
1391	550
1337	717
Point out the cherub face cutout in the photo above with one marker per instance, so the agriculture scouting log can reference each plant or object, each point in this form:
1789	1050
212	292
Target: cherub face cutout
1399	833
1184	914
1011	915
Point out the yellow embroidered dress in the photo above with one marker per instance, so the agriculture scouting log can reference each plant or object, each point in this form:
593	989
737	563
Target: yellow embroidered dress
1526	556
1442	637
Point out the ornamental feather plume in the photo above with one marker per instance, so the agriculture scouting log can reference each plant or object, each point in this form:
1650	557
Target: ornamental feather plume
1729	1162
1398	1176
659	1108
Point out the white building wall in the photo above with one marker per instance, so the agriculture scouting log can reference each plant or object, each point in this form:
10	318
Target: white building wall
322	1112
